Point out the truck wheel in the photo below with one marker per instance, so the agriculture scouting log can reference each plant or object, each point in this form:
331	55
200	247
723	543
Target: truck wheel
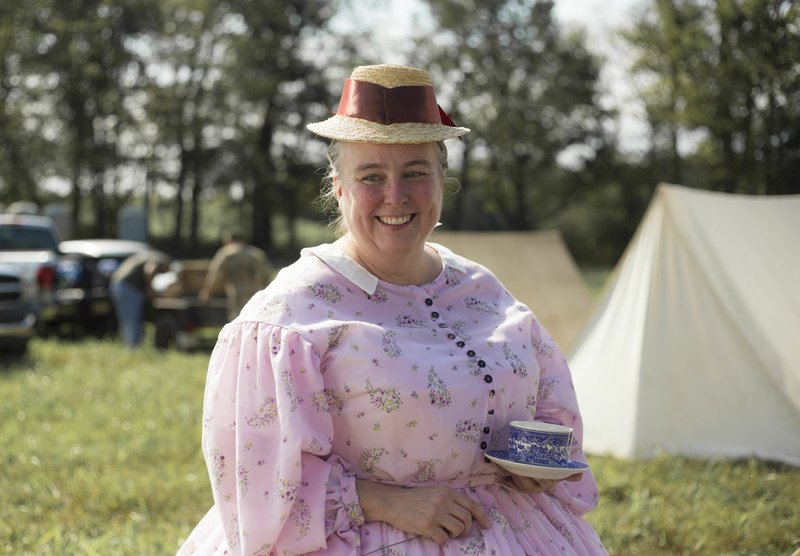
13	353
166	331
104	327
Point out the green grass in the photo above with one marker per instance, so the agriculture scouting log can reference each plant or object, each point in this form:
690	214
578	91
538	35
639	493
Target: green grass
101	455
673	505
101	450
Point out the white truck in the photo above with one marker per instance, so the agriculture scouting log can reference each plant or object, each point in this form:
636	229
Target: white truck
28	259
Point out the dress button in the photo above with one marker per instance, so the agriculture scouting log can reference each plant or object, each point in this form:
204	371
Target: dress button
429	302
434	315
491	412
442	325
486	430
483	445
460	344
492	392
451	336
481	363
488	379
470	353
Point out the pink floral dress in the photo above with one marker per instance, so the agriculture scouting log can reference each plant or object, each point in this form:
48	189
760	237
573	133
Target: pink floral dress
330	375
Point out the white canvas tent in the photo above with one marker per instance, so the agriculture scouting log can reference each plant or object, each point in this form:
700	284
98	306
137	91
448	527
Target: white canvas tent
537	269
695	347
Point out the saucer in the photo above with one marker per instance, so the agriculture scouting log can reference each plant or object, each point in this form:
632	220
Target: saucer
536	471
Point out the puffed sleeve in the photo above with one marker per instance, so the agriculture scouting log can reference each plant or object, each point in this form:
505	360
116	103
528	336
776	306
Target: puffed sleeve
556	403
267	435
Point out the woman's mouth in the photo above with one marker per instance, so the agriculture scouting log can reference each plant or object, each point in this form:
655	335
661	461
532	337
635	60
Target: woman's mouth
395	220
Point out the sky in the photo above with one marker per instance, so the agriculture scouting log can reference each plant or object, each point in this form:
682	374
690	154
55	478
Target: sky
601	19
399	19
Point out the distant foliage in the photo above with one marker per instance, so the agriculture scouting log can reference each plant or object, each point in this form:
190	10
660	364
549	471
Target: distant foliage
727	69
196	109
138	101
528	90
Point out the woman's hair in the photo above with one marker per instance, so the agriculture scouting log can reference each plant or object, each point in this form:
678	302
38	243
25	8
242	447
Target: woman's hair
327	198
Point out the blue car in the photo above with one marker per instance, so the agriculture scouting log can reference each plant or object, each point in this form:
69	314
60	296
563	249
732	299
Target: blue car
82	279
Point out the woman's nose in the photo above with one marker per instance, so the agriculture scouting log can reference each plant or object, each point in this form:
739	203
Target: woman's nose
394	192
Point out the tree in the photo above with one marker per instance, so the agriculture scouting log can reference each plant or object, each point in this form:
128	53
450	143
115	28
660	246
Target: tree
229	101
82	72
274	81
528	91
183	100
24	147
727	68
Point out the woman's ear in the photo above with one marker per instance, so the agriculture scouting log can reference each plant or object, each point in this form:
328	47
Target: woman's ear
337	188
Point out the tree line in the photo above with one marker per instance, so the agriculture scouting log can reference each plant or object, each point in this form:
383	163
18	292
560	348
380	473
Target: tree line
179	102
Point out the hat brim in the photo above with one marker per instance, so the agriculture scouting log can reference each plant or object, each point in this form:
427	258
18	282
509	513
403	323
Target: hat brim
356	130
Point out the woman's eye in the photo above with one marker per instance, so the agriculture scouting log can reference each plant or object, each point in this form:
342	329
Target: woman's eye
372	178
415	174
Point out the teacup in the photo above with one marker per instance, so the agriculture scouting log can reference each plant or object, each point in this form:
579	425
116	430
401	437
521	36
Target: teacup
539	443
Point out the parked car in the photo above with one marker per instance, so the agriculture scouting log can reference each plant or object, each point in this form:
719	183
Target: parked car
83	275
29	250
19	307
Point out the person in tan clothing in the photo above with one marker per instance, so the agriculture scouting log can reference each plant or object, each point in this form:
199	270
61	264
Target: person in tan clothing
243	269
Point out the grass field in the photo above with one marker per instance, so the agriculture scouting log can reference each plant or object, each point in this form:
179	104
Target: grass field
101	455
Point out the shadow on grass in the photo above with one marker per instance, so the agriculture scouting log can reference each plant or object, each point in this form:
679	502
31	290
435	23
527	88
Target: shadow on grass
15	360
755	462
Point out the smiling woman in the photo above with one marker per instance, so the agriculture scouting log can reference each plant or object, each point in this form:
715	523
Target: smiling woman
350	406
390	197
328	198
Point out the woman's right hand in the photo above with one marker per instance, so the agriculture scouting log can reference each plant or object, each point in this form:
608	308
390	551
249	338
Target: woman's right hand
437	512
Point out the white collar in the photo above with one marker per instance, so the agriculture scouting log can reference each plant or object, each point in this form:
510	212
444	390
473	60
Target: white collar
332	255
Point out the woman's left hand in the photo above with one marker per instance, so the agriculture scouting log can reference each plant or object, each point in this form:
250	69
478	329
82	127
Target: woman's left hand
535	486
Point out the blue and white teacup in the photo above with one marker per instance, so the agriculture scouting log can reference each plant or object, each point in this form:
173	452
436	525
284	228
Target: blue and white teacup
539	443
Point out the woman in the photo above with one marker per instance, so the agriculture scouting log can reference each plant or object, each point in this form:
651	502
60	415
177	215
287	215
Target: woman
349	406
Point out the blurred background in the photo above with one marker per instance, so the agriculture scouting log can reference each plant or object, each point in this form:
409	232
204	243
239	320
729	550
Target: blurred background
194	110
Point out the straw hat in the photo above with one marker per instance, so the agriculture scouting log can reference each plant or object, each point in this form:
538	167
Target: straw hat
388	104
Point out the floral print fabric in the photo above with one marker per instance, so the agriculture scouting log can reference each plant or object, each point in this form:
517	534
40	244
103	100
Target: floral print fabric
330	375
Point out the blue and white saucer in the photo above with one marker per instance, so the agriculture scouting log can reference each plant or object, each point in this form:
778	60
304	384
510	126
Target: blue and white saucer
536	471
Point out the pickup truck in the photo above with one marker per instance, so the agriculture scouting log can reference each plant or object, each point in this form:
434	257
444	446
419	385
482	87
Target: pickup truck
29	256
19	307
